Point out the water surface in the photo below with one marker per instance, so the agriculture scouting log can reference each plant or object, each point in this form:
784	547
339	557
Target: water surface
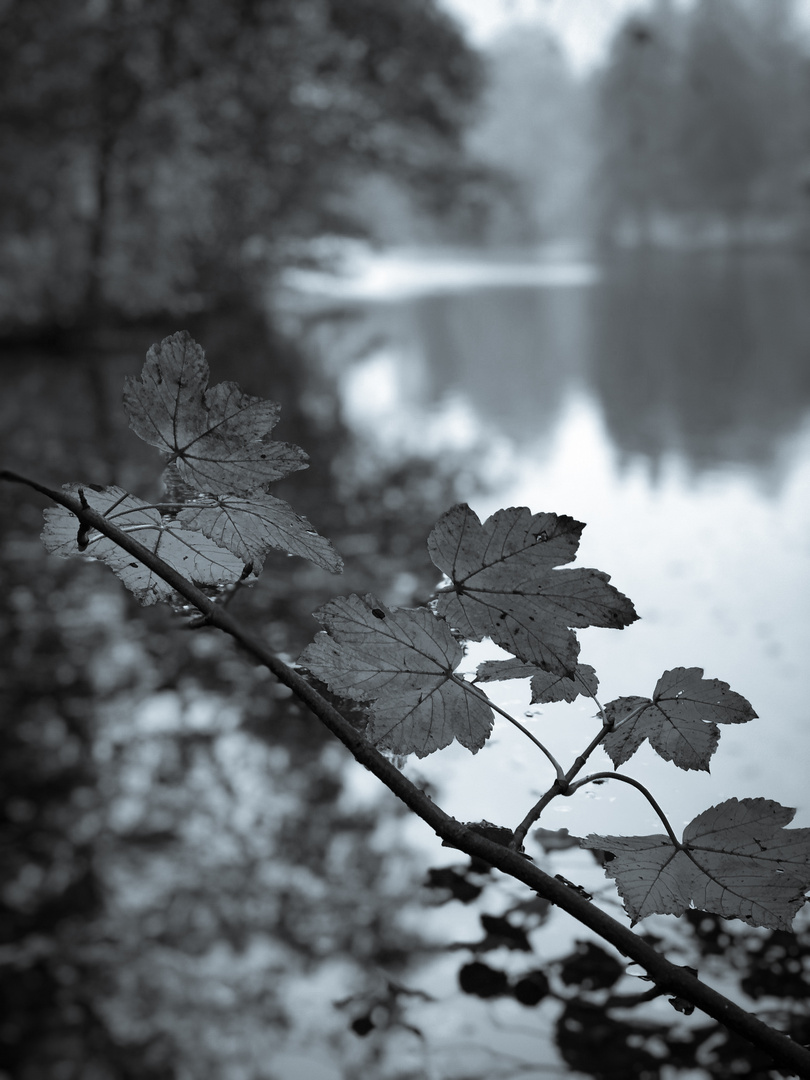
665	401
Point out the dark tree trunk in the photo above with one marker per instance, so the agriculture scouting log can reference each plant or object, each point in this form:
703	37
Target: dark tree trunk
99	228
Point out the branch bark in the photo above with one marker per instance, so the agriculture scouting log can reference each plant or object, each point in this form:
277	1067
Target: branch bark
671	978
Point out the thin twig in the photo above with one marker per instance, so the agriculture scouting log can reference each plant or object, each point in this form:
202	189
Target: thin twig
473	689
562	785
636	784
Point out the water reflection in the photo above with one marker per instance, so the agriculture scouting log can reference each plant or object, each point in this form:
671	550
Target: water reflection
666	404
719	570
701	356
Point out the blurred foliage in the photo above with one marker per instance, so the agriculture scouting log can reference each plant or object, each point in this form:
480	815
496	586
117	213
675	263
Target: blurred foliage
694	130
166	156
609	1023
533	125
189	884
159	155
702	125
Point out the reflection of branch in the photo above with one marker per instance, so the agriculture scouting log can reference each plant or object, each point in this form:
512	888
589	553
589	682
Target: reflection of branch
671	978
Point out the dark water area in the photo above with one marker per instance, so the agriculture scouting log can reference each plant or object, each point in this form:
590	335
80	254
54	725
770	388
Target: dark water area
708	357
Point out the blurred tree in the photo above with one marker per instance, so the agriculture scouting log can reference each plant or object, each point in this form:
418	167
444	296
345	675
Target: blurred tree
784	90
702	123
722	126
636	170
533	124
155	154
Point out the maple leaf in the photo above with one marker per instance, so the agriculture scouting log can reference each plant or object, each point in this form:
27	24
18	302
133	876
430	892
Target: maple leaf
680	721
506	585
191	553
546	687
249	526
736	860
402	662
219	437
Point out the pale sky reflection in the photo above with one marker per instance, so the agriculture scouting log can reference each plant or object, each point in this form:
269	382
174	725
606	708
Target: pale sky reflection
583	26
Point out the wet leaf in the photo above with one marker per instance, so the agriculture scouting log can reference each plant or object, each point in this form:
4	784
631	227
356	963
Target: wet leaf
736	860
402	662
194	555
546	687
219	437
680	721
250	525
681	1005
506	584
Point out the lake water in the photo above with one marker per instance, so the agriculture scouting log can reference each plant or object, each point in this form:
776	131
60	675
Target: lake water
664	403
663	400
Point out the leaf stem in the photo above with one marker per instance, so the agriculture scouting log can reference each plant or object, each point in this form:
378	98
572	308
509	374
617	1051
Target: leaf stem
636	784
559	787
472	689
562	784
170	509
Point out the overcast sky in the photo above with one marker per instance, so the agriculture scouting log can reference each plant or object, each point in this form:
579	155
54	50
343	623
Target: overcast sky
584	26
